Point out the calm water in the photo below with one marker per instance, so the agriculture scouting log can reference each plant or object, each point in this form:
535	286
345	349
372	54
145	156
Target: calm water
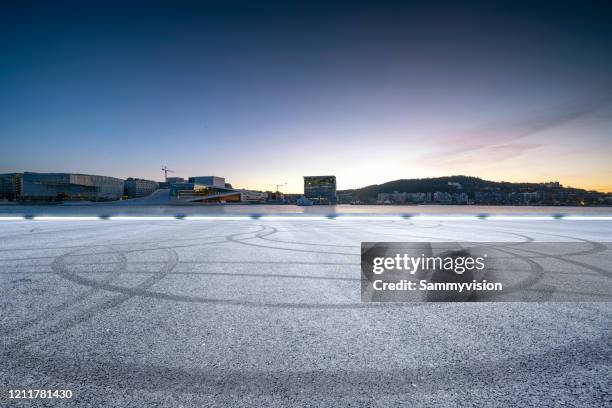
123	209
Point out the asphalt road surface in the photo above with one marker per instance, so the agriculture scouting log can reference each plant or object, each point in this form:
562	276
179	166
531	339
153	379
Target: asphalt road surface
268	313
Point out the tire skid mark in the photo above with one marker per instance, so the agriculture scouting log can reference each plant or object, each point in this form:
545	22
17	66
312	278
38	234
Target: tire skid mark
520	368
89	313
264	233
125	251
59	263
115	242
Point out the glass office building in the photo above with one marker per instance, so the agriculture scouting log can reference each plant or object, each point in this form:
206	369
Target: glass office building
135	187
320	189
69	186
10	186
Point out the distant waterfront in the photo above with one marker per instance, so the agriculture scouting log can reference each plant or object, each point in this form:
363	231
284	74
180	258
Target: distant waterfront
264	209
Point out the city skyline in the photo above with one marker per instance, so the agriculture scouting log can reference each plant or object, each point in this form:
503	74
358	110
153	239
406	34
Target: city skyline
282	187
265	94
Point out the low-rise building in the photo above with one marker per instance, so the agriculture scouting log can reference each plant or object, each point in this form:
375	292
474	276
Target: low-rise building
418	197
345	198
204	189
250	196
489	197
320	189
460	198
69	186
442	197
135	187
10	186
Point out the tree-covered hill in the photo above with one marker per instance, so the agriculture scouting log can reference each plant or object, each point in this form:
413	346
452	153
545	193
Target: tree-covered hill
468	185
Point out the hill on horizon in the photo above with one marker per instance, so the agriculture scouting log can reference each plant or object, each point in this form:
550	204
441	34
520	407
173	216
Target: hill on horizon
433	184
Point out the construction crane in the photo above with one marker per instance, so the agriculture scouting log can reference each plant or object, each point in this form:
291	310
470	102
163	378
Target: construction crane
166	170
276	186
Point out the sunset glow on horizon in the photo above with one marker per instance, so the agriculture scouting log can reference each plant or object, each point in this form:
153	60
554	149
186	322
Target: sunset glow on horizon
255	94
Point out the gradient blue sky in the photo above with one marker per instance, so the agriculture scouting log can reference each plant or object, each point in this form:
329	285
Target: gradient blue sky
264	94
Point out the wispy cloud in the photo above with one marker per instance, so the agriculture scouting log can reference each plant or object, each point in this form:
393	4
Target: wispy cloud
490	155
495	140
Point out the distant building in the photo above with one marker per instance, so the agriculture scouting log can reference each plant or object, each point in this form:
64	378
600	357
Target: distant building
291	198
210	181
169	181
206	189
442	197
560	197
135	187
250	196
392	198
10	186
345	198
194	193
303	201
320	189
460	198
489	197
69	186
418	197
